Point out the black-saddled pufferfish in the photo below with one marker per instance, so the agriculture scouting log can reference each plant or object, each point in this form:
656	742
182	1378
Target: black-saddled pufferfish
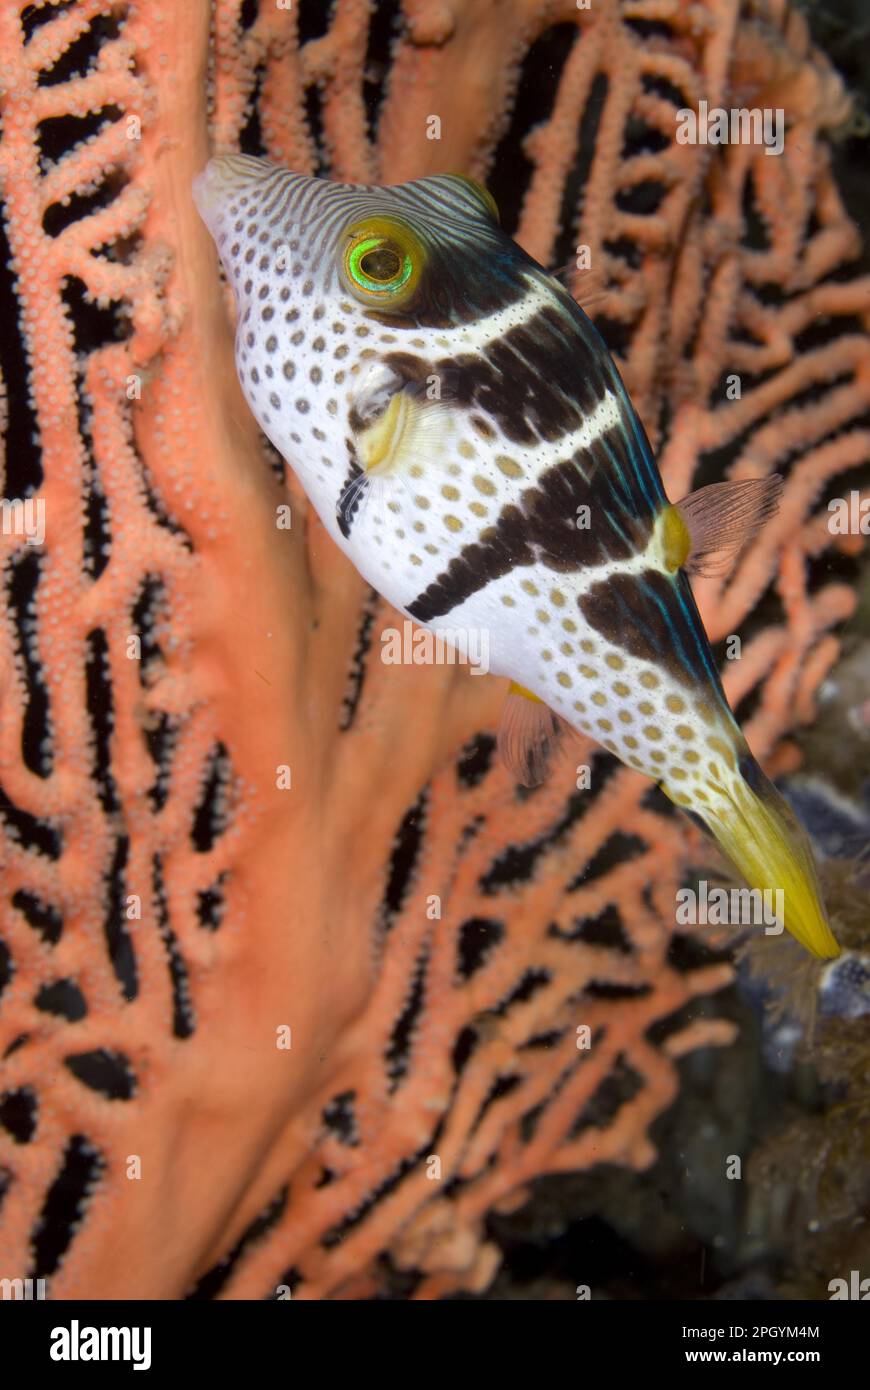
462	505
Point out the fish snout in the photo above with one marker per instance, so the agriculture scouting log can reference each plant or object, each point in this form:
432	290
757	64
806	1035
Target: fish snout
225	177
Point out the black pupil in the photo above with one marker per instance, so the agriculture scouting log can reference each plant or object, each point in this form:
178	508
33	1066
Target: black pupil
381	264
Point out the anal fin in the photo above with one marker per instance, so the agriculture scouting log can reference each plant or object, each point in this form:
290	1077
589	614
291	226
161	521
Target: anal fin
528	736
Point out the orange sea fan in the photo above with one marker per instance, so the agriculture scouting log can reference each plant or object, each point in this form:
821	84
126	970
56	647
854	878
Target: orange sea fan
293	981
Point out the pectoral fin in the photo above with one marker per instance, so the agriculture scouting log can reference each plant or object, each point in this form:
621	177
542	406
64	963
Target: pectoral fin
706	532
528	736
396	424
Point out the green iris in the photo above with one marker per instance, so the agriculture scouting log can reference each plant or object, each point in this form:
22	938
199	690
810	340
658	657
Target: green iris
379	266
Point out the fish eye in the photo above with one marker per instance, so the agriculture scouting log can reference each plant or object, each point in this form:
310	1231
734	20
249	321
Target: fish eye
382	260
381	263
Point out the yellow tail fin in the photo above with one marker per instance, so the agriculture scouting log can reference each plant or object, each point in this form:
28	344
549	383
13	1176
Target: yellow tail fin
761	837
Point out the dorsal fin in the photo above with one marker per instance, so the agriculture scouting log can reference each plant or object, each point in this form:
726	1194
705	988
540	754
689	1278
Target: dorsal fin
587	287
706	532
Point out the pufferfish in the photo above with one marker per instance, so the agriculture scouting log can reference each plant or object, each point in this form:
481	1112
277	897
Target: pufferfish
462	431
